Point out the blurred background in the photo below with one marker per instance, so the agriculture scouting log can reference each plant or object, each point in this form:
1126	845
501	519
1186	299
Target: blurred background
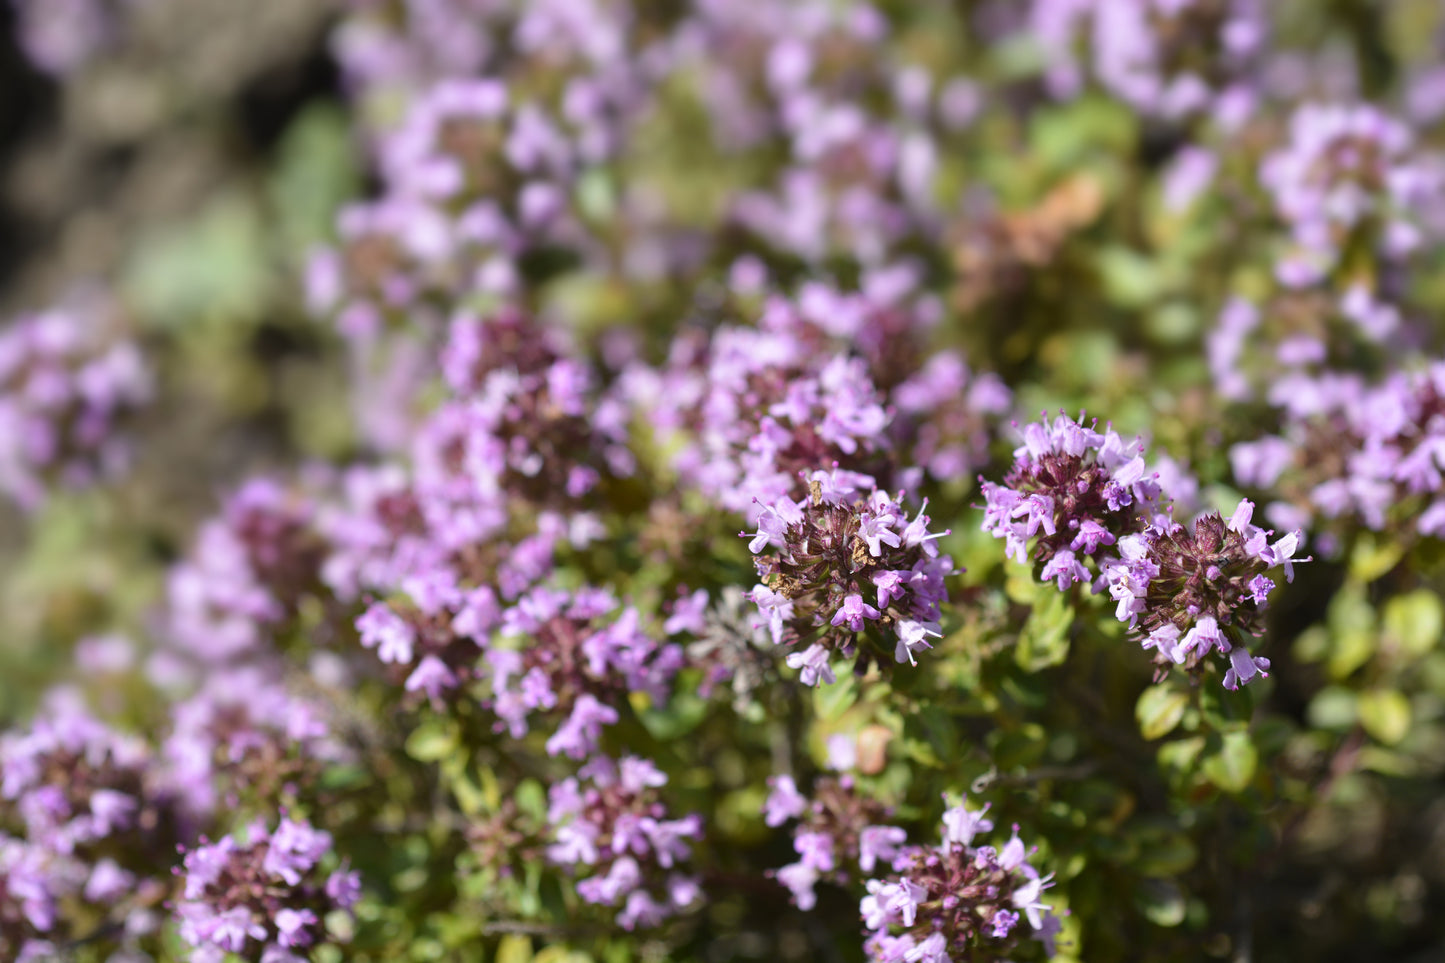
179	167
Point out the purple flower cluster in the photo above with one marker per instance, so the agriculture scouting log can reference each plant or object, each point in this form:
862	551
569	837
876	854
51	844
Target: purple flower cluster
1349	450
760	411
30	885
525	427
1195	589
609	826
71	781
390	54
261	894
1349	175
244	734
501	476
246	574
1172	59
862	133
1073	492
536	424
84	821
573	655
840	564
827	377
475	179
63	395
840	834
958	900
1186	590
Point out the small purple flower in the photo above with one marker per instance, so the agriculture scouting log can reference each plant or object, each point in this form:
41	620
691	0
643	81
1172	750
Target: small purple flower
961	824
382	628
1002	924
876	530
914	635
890	586
294	849
812	665
1243	667
432	677
1091	535
853	612
784	802
878	843
1259	588
776	606
579	734
292	927
800	879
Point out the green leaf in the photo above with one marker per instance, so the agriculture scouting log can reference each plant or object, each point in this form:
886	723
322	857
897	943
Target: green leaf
1385	714
431	741
1351	650
1161	901
1131	279
1164	852
1333	707
935	727
1353	631
1387	762
1019	584
514	948
682	713
1312	645
531	799
1181	754
213	266
1370	560
1159	709
831	701
314	174
1044	640
1232	767
1414	620
561	954
1012	748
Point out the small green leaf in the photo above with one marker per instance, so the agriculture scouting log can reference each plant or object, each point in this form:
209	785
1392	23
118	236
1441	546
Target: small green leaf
831	701
1015	747
935	727
531	799
1131	279
514	948
1181	754
1044	640
1161	901
1385	714
1414	620
1164	853
1312	645
1159	710
681	714
561	954
1019	584
1370	560
1388	762
431	741
1351	650
1232	767
1333	707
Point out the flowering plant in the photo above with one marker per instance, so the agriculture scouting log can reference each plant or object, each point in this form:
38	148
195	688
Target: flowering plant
573	493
